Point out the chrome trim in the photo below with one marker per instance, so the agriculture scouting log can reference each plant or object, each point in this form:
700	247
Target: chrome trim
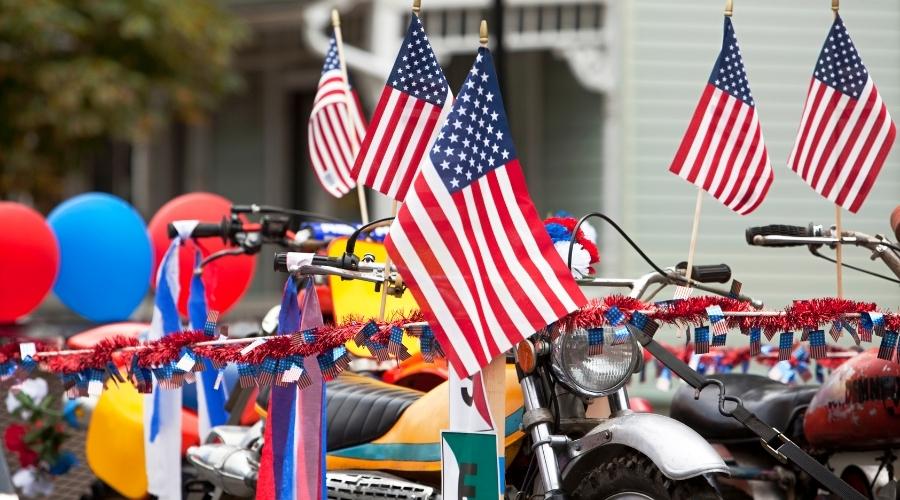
618	402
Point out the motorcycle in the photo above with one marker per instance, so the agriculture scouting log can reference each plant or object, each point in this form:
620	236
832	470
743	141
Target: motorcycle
570	430
850	422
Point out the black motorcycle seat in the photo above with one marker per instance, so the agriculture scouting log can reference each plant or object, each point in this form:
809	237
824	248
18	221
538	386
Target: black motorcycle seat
359	409
775	403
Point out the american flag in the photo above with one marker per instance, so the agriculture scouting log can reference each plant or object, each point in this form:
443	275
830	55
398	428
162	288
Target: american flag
413	104
334	131
468	239
723	150
846	132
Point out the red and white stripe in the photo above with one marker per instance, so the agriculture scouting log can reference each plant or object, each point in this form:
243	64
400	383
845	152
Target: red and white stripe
402	131
335	133
723	152
480	263
842	142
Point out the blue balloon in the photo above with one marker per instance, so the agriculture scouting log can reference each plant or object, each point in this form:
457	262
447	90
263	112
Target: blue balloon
105	257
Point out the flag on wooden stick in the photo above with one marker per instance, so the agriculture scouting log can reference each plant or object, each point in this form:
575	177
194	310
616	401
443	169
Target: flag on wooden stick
846	131
336	127
723	151
413	104
468	240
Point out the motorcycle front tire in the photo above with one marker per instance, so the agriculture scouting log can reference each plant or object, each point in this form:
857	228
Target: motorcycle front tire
633	475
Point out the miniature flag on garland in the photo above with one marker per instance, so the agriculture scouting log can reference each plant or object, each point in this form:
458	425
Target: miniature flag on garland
723	151
717	320
871	323
643	323
409	114
469	241
888	343
616	320
846	131
395	344
837	327
817	346
701	340
785	344
595	341
332	149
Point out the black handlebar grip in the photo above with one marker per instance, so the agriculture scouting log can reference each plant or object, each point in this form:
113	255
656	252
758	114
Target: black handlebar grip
713	273
208	230
778	230
280	262
202	230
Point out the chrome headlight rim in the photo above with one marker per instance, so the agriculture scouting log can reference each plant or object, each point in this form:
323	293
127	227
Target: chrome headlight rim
569	382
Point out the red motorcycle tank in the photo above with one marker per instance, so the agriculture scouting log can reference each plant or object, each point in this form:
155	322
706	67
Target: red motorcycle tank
858	406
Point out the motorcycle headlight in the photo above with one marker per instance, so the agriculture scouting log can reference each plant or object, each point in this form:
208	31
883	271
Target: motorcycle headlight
598	375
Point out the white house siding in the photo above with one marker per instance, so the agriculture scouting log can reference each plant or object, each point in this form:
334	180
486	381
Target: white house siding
669	50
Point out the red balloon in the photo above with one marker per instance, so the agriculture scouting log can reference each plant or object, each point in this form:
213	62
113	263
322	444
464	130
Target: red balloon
225	279
29	260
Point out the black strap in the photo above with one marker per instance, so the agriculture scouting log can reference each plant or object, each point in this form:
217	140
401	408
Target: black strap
731	406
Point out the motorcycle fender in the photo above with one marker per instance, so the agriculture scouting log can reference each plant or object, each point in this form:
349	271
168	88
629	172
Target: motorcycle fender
678	451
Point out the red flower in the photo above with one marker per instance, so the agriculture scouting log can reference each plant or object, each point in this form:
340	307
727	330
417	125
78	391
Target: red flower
14	438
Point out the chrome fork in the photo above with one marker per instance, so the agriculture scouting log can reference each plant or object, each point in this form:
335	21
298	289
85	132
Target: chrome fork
536	421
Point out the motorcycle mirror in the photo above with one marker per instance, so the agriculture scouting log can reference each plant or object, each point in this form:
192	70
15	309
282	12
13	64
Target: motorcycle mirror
269	323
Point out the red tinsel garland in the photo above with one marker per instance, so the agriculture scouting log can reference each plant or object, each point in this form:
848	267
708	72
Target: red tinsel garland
805	314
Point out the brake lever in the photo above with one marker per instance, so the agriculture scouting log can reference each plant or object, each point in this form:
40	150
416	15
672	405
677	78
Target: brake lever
225	252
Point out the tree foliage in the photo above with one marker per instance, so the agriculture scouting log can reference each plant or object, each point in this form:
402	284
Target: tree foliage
76	74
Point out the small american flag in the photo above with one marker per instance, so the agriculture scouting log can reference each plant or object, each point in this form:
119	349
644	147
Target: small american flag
723	150
888	343
413	104
755	341
846	132
785	346
335	131
469	241
701	340
817	347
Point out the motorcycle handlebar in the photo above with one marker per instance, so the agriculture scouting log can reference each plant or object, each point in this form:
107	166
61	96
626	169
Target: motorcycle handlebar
203	230
711	273
778	230
281	261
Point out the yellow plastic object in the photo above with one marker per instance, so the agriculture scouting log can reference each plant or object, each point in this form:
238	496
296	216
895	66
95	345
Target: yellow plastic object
413	443
115	440
358	299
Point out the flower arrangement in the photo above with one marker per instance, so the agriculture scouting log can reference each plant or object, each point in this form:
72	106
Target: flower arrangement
37	438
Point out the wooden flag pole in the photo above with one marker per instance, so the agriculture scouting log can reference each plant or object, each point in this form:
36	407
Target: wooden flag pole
838	227
349	119
416	8
387	270
695	230
494	374
698	205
